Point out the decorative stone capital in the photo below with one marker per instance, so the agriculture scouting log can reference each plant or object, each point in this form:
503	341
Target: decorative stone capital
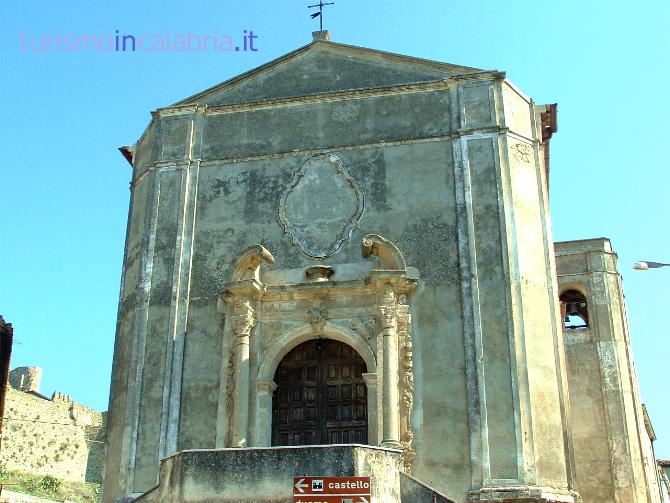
370	379
266	387
388	317
243	319
242	325
389	295
388	310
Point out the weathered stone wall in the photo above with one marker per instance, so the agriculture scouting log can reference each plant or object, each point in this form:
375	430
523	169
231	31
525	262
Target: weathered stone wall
54	437
223	475
26	378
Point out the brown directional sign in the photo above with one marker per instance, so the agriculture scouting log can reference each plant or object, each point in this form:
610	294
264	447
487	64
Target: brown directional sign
315	489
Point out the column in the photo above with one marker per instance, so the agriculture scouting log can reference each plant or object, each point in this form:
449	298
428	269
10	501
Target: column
388	314
242	324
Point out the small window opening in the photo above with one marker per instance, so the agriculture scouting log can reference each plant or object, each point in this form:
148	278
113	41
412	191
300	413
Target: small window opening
574	310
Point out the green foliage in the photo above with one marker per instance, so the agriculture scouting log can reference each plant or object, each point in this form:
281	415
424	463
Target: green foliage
3	470
50	484
49	487
31	486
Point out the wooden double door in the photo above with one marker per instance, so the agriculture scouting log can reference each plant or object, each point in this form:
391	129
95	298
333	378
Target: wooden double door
321	397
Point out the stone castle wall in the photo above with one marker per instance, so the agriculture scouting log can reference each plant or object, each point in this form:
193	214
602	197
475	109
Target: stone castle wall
56	436
26	378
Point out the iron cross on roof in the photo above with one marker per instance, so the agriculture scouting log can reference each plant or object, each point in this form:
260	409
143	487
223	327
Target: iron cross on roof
319	14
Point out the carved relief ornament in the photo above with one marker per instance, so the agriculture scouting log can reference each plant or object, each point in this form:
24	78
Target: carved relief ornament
243	319
406	383
522	152
388	317
317	315
321	206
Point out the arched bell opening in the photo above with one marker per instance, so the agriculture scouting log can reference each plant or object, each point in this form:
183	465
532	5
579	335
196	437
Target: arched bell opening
574	309
321	395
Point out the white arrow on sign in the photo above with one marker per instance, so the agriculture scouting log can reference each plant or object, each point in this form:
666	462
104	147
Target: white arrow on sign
299	485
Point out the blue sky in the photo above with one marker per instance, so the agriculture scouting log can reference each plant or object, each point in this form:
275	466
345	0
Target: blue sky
65	186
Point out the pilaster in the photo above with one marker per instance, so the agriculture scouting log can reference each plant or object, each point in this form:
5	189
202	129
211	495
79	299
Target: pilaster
264	390
370	379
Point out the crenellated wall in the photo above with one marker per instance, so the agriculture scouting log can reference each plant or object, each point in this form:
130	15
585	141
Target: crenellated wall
56	436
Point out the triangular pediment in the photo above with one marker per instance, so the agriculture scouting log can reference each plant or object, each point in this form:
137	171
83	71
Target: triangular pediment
323	67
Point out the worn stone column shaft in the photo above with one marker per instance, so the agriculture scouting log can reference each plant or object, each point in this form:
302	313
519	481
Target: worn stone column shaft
390	396
240	419
373	415
263	435
243	323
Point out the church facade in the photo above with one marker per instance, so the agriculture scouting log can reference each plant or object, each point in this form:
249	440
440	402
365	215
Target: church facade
350	247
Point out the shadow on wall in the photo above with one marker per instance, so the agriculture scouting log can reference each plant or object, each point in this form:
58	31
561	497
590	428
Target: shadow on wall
96	451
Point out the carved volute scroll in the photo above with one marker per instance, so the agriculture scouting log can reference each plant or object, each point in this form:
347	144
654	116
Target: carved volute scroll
389	256
248	263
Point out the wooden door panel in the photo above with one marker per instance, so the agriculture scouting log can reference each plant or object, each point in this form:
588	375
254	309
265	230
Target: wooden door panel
321	397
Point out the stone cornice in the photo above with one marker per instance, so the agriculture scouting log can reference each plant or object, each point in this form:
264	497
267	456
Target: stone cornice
184	163
349	94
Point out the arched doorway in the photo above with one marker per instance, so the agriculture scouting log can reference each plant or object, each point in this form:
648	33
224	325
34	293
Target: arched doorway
321	397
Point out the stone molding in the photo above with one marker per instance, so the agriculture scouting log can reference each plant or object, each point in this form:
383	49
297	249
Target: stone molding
522	494
344	95
266	386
